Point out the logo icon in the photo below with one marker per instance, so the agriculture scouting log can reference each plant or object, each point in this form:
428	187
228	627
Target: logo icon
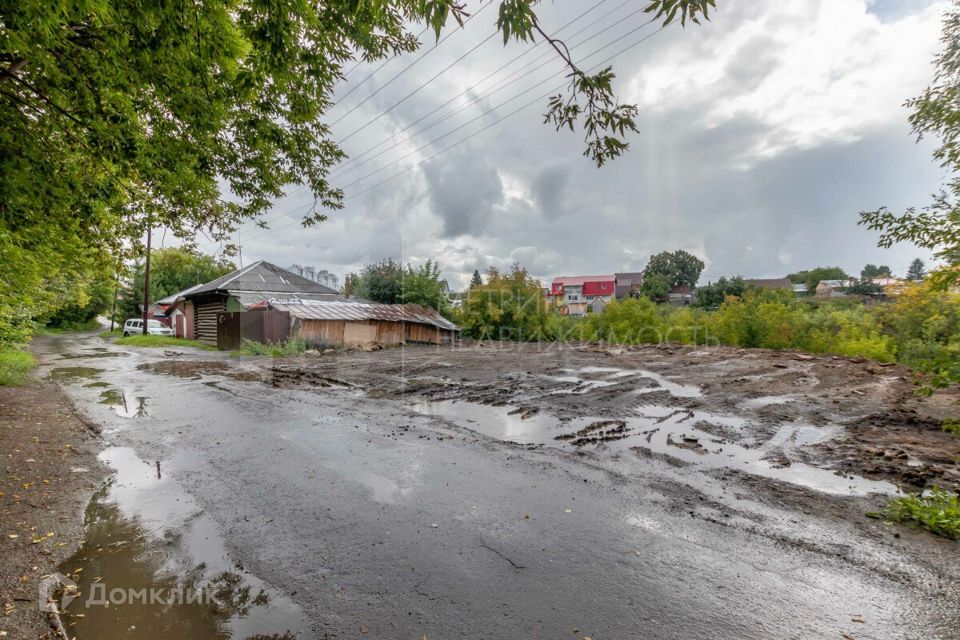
50	586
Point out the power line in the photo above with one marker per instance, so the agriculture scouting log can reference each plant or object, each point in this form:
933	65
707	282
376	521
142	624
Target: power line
466	92
485	128
418	89
408	67
503	84
532	88
304	188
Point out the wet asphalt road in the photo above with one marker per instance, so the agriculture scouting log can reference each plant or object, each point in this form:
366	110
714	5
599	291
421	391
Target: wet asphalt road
379	522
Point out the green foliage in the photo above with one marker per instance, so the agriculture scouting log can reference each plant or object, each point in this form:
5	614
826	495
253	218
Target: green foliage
633	321
713	294
119	116
15	366
678	267
939	512
812	277
287	349
935	112
476	280
390	282
873	271
688	9
422	285
509	306
865	287
150	340
82	314
656	287
171	270
917	270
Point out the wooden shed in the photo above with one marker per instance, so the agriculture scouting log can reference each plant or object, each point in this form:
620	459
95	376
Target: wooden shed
243	289
354	323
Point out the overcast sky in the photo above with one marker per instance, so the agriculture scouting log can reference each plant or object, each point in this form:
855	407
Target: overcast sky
762	134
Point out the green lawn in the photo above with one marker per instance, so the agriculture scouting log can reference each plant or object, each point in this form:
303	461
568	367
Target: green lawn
158	341
15	366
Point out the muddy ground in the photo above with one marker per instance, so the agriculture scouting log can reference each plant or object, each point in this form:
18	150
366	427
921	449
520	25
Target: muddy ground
879	428
490	491
48	471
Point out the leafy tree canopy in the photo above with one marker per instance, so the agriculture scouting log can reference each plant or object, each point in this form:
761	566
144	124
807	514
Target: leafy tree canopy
119	115
917	270
678	267
812	277
656	287
873	271
391	282
171	270
713	294
936	112
510	306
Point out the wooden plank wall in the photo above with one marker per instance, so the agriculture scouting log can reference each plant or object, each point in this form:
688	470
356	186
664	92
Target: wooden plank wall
332	332
205	326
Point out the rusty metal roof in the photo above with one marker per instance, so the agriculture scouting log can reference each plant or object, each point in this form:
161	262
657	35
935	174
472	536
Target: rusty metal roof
317	310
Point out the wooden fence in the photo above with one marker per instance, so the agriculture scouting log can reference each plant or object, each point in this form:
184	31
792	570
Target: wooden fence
258	325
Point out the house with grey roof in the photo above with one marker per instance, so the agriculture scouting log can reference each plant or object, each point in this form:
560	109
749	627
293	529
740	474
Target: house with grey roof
243	289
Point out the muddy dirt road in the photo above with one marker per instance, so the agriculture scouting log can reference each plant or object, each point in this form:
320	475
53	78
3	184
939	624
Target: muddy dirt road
522	493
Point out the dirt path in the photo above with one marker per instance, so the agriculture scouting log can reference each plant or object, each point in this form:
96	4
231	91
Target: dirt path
48	471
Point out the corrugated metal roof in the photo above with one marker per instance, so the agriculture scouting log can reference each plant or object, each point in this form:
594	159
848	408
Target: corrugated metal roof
314	310
263	277
251	298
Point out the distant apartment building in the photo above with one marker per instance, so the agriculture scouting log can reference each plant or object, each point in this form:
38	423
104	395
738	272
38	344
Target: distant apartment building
574	295
321	276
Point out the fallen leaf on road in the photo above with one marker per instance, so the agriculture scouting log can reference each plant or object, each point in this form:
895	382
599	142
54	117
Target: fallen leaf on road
12	536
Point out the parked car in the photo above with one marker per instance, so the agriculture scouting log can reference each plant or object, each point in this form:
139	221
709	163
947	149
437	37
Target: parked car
134	326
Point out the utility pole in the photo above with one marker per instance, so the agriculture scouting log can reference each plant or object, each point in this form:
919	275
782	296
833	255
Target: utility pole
146	281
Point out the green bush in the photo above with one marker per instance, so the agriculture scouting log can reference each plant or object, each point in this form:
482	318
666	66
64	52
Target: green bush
290	347
15	366
939	512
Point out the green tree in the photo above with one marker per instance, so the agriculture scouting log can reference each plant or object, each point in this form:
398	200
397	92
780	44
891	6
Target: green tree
865	287
873	271
813	277
116	116
917	270
509	306
656	287
422	285
171	270
380	282
476	280
678	267
937	113
712	295
79	314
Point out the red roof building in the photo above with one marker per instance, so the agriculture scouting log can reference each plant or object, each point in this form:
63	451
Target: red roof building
574	294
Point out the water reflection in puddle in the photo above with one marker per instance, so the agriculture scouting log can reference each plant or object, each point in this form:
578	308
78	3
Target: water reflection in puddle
147	536
685	435
73	374
126	405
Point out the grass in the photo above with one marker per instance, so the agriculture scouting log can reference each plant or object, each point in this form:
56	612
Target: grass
159	341
15	366
116	333
939	512
952	426
291	347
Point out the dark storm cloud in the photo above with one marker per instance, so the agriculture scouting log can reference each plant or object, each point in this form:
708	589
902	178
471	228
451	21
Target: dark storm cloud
463	189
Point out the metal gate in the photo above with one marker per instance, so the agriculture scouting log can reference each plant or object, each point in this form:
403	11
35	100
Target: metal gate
257	325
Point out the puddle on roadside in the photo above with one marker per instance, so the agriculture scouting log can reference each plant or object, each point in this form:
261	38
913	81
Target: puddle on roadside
124	404
161	566
195	370
73	374
97	354
97	385
679	433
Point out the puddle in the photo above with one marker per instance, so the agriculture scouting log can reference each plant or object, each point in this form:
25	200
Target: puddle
97	385
588	379
766	401
155	566
97	354
73	374
126	405
681	434
195	370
